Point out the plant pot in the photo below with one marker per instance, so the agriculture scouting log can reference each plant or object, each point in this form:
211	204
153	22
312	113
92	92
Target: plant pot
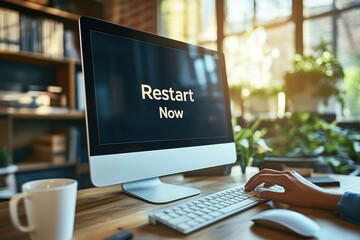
262	103
305	101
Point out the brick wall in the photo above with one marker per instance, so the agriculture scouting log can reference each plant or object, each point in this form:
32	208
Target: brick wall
138	14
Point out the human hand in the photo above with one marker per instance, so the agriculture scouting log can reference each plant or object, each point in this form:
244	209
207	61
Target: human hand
298	191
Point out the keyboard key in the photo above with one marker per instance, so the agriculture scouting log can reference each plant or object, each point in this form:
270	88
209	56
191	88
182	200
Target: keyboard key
184	226
173	215
207	217
192	215
179	220
188	210
206	210
181	213
200	219
192	223
235	206
215	214
199	213
165	217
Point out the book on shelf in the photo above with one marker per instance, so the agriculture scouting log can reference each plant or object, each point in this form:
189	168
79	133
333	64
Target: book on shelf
80	91
49	148
22	32
70	50
2	29
12	95
9	30
72	135
23	42
77	145
52	38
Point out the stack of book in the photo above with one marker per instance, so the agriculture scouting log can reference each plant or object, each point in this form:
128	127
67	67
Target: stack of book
20	32
49	148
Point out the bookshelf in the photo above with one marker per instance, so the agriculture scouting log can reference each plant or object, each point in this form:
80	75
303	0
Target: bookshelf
39	49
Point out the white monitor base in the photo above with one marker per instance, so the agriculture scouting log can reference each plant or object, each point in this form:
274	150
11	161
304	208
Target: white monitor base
154	191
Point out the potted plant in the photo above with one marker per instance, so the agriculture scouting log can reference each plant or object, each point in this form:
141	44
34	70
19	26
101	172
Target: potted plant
305	136
5	159
314	78
263	99
250	144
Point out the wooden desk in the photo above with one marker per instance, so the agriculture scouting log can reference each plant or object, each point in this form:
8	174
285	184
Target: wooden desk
101	211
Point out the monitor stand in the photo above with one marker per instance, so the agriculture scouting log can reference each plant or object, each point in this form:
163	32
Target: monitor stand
154	191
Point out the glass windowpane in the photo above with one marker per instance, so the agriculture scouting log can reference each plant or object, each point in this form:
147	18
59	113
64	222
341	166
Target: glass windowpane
312	7
346	3
208	21
190	21
349	55
239	15
314	30
272	11
282	39
257	58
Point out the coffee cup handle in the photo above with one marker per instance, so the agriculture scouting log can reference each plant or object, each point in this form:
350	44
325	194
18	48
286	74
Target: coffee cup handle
14	213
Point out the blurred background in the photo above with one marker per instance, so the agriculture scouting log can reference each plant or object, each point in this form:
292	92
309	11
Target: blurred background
293	69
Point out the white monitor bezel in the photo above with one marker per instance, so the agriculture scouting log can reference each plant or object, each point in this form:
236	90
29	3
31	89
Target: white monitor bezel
161	163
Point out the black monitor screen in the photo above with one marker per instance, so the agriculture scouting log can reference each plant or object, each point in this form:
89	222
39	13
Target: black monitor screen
153	93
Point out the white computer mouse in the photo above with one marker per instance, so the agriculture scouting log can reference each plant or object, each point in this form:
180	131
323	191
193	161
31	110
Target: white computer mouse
288	221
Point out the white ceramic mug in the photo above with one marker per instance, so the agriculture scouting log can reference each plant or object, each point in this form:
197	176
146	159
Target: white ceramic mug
49	206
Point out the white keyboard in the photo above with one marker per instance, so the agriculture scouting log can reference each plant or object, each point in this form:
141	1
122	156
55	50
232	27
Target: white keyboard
194	214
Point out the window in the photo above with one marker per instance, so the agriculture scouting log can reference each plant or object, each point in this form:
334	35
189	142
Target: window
193	21
255	45
338	21
259	37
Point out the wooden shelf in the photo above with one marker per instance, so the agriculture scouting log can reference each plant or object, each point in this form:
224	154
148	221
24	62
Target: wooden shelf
35	58
37	8
23	167
42	113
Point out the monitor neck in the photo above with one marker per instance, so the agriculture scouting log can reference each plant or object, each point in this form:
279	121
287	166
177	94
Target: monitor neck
155	191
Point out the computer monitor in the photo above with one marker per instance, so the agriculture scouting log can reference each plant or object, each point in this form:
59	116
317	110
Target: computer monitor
154	107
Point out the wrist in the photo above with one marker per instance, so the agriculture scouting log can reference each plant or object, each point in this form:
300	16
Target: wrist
327	200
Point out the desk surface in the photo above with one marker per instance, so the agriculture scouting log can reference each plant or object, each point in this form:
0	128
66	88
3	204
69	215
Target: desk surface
101	211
